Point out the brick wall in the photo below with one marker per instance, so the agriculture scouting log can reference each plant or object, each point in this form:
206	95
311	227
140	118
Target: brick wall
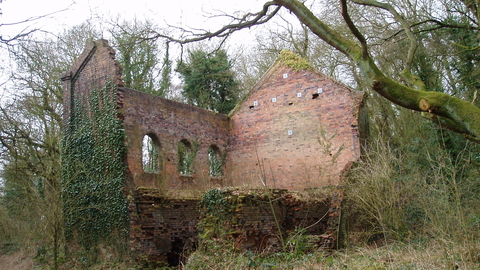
93	69
265	217
163	229
296	130
170	122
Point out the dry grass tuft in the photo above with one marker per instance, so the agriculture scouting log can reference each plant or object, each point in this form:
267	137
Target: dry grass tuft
19	260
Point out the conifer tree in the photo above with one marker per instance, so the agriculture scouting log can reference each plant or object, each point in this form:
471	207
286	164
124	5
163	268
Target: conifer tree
209	81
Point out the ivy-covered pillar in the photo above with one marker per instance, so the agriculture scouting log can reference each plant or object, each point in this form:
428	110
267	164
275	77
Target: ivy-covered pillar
93	156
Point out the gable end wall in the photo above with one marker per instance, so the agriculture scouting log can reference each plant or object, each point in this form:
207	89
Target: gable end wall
295	141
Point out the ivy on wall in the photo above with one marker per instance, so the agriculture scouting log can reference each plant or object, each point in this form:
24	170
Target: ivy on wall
186	155
93	163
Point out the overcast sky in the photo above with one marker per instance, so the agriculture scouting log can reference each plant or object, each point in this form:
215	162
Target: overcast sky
176	12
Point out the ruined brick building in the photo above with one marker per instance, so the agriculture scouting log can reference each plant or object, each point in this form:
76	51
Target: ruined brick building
295	130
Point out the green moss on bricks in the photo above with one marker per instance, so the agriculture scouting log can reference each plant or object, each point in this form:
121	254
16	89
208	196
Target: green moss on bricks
294	61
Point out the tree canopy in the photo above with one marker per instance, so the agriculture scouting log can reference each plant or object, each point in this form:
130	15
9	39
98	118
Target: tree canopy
209	81
139	58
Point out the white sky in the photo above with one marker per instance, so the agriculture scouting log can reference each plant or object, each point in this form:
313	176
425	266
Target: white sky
67	13
185	13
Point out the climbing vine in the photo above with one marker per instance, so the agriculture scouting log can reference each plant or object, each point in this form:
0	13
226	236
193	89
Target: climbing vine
93	176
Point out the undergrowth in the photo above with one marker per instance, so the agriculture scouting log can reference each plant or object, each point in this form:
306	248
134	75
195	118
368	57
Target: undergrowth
396	255
218	254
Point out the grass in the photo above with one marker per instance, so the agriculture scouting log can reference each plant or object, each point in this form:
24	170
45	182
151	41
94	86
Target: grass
431	255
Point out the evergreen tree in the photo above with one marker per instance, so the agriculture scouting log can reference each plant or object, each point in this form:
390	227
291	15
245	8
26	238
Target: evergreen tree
209	81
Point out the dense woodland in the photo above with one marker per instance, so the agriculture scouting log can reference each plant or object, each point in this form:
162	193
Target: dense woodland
412	202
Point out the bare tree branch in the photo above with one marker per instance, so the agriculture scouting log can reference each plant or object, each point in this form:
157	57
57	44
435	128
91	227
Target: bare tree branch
354	29
322	30
407	71
25	32
462	116
246	21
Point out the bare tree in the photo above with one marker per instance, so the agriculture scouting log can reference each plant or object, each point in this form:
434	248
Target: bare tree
30	135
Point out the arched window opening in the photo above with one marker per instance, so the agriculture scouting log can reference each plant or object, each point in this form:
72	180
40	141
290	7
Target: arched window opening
215	161
150	154
186	155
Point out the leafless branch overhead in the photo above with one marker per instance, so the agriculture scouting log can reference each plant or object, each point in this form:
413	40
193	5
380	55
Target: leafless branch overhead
238	23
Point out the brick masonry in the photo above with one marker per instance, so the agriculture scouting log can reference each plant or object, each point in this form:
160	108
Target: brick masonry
296	130
264	218
162	228
166	229
170	122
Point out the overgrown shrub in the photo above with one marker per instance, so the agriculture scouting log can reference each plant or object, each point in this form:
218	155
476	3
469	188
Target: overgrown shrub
428	194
